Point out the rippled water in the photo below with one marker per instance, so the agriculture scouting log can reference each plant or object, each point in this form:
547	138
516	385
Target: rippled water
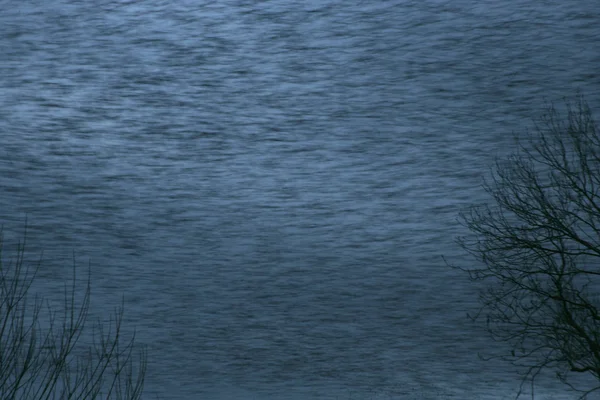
273	183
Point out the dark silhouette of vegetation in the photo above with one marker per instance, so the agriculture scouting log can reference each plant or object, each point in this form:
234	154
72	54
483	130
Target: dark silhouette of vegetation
538	244
41	352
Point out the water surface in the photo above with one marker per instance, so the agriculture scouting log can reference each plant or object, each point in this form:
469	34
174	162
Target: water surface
273	184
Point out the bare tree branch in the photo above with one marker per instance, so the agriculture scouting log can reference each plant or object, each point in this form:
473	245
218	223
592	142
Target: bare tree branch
40	356
538	247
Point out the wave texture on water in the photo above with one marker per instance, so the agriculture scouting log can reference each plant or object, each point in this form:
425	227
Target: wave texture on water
273	184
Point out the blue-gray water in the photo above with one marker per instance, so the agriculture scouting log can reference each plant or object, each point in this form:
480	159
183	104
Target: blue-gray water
272	184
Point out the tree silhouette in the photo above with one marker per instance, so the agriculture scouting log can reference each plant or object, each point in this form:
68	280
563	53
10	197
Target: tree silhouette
538	244
41	356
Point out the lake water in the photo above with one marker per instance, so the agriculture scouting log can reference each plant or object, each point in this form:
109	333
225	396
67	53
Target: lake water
272	184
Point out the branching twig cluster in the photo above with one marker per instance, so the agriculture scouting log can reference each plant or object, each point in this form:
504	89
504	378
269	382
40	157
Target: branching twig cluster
539	248
41	356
